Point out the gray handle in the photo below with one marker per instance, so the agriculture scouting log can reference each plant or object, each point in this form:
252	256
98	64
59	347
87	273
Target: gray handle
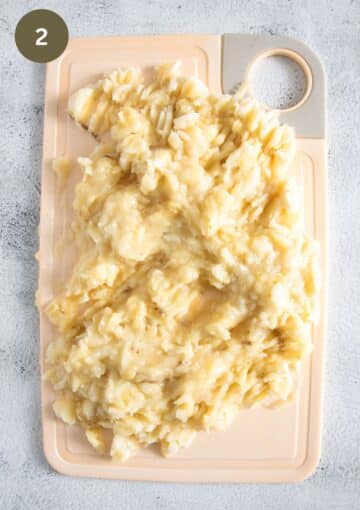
240	51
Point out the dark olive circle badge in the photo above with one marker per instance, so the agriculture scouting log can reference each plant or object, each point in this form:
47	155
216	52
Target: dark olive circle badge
41	35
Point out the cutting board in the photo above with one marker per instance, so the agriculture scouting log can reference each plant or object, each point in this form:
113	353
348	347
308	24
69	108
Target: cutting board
263	445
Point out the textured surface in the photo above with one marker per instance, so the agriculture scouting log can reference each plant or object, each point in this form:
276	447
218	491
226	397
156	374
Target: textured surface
333	30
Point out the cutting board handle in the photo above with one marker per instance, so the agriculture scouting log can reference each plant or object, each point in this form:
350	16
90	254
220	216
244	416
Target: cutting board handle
241	51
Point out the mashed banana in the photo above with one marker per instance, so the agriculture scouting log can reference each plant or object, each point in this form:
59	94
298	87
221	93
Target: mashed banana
195	287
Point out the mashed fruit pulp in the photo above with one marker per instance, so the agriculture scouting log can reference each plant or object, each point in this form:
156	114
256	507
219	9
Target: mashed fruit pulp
195	287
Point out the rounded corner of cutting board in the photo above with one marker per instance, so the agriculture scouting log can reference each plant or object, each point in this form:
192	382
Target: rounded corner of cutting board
54	459
308	467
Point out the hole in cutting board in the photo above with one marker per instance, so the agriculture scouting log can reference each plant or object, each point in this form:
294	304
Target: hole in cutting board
278	81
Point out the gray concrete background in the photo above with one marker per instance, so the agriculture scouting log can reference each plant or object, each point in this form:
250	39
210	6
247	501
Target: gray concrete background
332	28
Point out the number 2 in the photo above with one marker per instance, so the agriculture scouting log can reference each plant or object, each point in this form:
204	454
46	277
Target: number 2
40	40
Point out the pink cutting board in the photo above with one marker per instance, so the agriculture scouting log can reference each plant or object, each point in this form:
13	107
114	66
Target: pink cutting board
263	445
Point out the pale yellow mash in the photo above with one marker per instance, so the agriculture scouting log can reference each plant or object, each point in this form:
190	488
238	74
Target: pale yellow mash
196	285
